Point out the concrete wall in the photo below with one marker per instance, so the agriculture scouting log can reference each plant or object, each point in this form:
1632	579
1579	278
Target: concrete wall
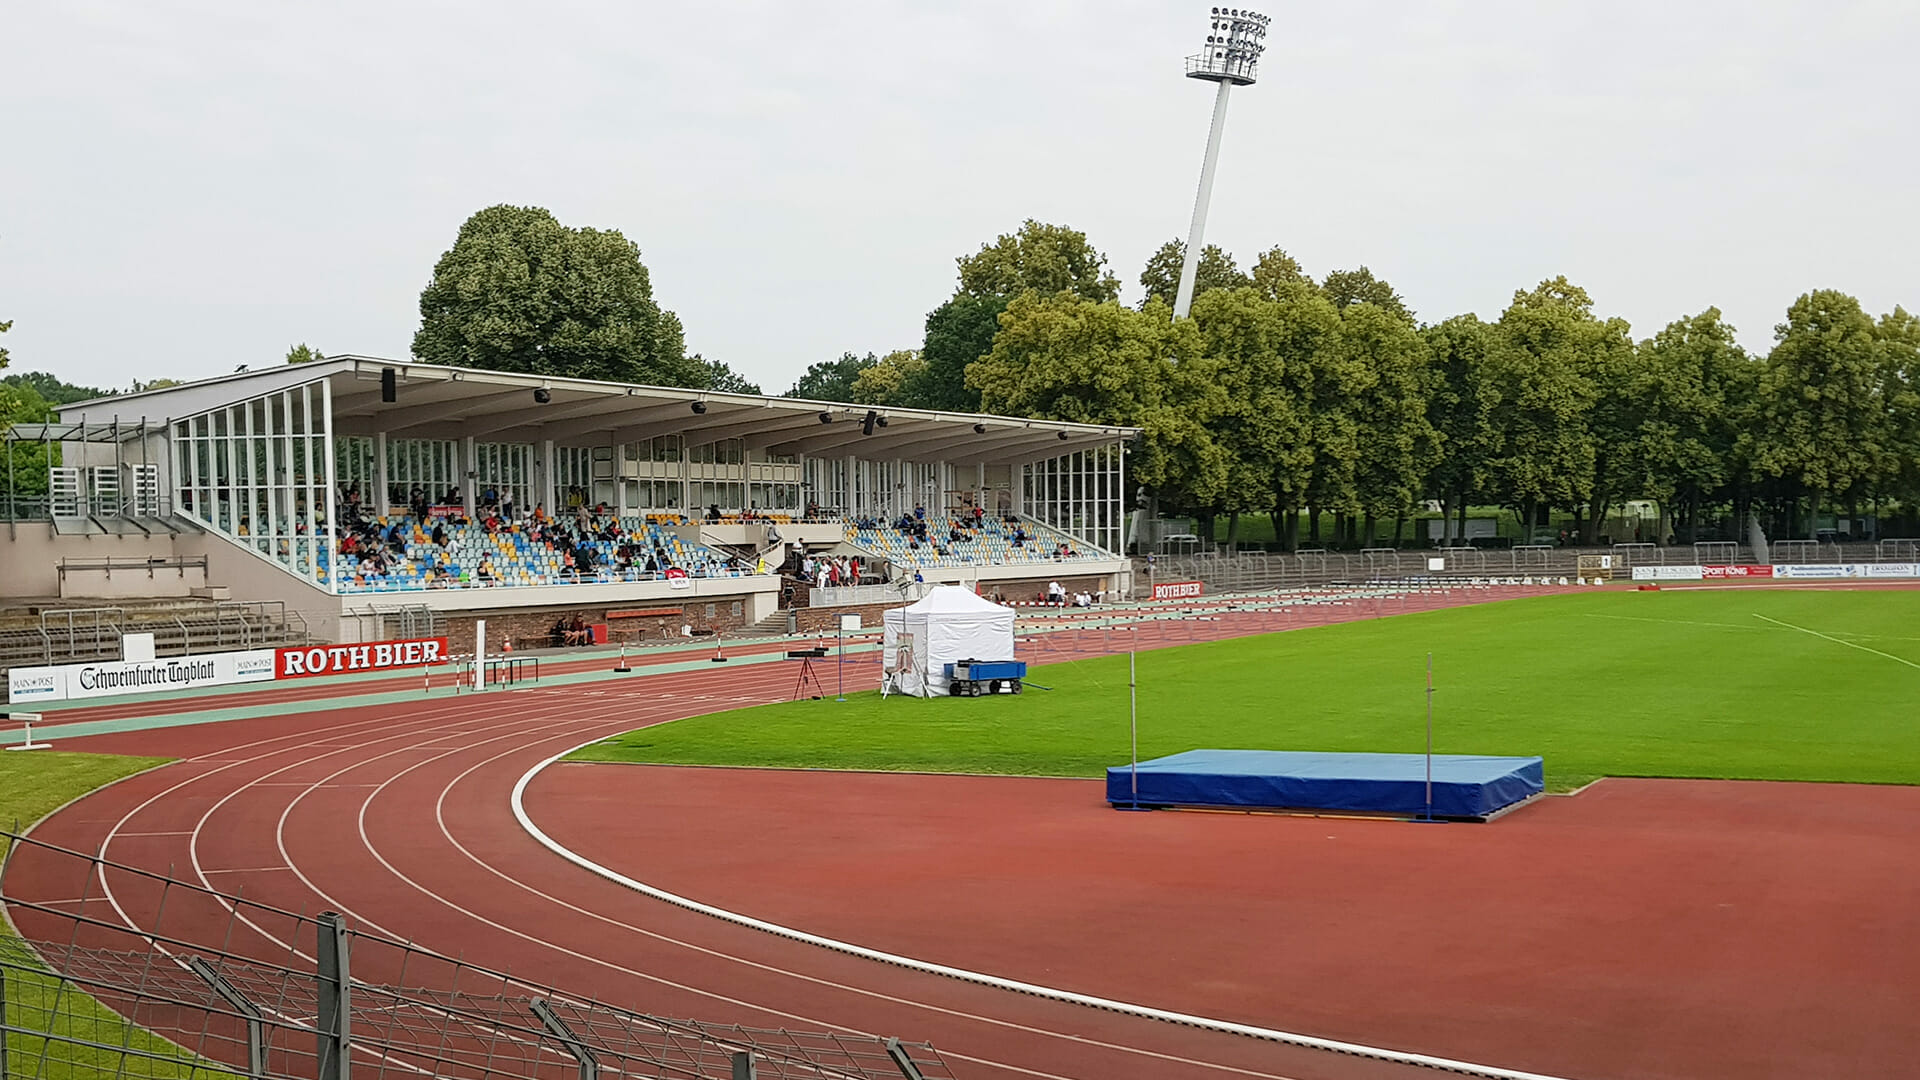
251	577
29	562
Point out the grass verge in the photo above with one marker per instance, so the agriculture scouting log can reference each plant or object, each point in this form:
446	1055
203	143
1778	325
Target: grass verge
1729	684
33	785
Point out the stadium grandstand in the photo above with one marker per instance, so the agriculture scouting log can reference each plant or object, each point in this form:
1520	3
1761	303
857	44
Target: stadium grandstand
365	497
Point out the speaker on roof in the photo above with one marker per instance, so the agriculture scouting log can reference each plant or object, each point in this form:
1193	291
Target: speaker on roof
389	386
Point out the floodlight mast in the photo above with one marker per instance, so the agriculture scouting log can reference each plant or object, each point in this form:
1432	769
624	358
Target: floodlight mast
1232	58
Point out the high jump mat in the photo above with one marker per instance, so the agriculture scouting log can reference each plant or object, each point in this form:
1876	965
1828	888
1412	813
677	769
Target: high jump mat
1466	787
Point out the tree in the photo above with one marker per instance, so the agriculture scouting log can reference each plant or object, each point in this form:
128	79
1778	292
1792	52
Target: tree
1690	387
1348	287
1460	414
831	380
303	354
1044	258
716	375
885	382
958	333
4	327
152	384
520	292
1898	333
1554	384
1398	445
1215	270
1063	357
1274	270
1263	355
52	389
1823	423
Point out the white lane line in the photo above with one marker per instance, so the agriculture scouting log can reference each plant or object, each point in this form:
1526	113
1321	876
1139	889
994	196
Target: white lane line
982	979
439	814
1839	641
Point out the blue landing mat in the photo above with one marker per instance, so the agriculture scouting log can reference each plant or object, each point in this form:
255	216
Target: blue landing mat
1464	786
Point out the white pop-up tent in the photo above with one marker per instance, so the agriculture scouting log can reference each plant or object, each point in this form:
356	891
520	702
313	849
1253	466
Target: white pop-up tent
950	624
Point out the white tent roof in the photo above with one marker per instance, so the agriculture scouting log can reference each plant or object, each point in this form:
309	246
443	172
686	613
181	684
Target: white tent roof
954	600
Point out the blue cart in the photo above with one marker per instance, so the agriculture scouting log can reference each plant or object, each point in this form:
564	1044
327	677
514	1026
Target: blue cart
971	678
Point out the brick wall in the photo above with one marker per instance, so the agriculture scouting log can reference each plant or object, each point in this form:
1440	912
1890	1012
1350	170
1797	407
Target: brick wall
523	625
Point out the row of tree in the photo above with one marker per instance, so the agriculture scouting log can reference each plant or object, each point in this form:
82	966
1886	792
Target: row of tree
1303	398
1282	394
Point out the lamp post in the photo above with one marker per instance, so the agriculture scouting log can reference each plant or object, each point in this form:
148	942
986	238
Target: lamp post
1235	41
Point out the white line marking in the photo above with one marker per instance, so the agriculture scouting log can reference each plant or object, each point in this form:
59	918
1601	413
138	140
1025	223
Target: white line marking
979	978
1839	641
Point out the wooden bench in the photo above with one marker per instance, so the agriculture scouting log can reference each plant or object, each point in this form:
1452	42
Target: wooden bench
643	613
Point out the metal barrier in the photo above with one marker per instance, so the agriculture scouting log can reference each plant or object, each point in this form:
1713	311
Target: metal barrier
1897	551
81	993
1715	552
1631	555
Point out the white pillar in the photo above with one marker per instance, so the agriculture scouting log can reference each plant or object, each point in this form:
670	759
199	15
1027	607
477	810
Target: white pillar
467	466
372	503
479	654
1184	301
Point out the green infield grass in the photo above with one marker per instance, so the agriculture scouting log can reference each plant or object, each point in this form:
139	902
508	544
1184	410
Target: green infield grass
1768	684
32	785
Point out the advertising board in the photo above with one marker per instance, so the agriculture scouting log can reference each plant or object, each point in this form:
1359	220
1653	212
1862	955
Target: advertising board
1736	572
1177	590
112	678
1668	573
1814	570
304	661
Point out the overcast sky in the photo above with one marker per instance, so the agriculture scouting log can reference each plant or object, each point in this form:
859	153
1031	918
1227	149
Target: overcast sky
188	187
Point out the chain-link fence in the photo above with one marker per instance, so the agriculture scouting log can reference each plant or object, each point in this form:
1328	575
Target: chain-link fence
267	994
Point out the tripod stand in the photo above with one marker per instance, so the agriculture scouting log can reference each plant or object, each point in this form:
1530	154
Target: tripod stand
807	675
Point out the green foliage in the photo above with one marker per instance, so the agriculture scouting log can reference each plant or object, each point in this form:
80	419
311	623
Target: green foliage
716	375
4	327
832	380
1348	287
1274	271
958	333
1041	258
1215	270
1821	416
1065	357
885	382
304	354
520	292
1717	692
52	389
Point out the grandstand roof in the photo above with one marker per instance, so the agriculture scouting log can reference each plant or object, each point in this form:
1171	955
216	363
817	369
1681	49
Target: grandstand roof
437	401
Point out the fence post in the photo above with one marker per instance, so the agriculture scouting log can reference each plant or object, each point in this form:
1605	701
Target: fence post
743	1066
335	989
901	1061
4	1030
256	1042
589	1066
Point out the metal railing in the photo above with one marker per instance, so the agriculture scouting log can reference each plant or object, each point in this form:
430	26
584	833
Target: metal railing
269	994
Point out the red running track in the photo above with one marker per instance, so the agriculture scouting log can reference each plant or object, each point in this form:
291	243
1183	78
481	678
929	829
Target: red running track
398	817
1646	928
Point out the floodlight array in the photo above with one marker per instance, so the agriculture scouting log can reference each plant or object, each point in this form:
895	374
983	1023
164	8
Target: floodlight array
1236	37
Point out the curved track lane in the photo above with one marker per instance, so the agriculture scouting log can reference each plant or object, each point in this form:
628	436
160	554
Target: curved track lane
398	816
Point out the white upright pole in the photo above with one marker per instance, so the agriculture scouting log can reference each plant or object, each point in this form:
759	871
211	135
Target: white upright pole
1133	715
1429	736
1195	235
479	654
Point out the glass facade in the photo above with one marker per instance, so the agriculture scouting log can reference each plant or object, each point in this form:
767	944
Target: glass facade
257	471
1079	494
